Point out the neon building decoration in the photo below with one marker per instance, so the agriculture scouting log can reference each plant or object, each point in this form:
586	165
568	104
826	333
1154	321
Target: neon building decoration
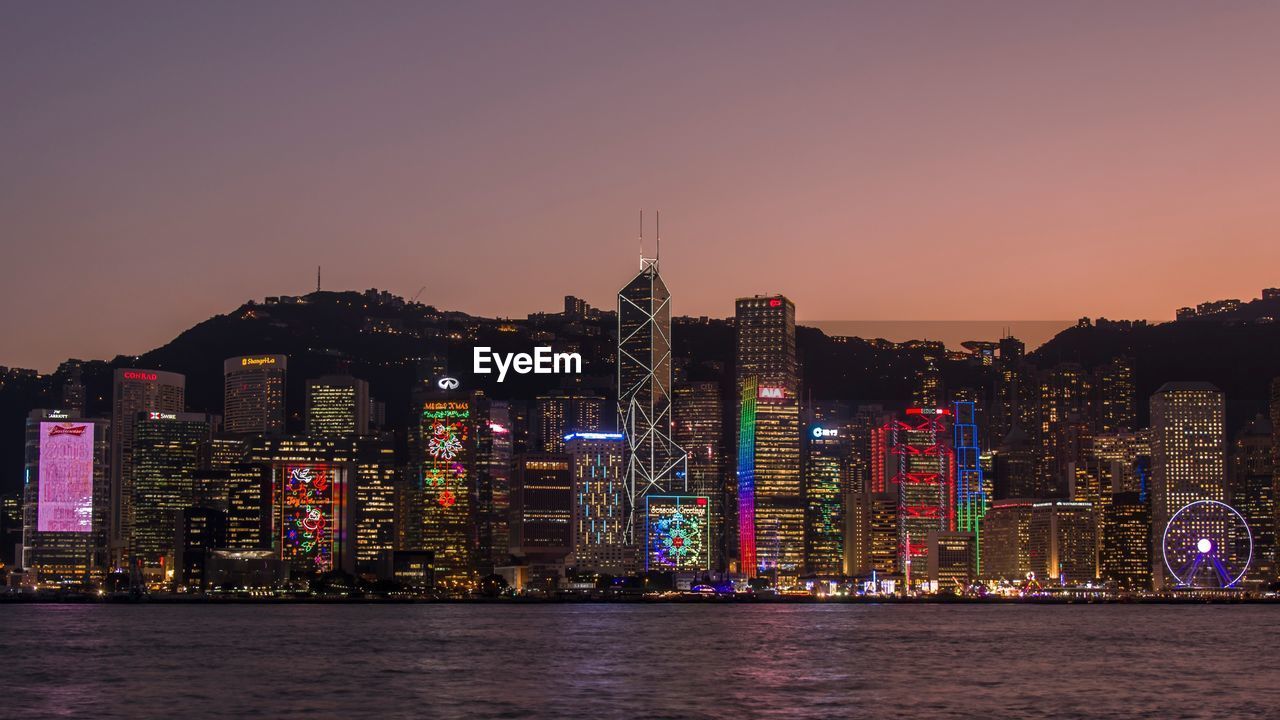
447	425
679	532
972	499
923	464
655	464
65	478
310	517
747	481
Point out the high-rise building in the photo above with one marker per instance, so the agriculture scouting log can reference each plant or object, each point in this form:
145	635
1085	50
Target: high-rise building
1188	455
166	457
928	390
561	412
1005	533
655	464
770	503
375	486
770	500
1117	396
542	507
438	508
699	430
951	560
678	532
337	405
919	455
871	533
1126	542
1010	402
1065	410
249	507
134	391
199	531
494	451
1251	491
1062	541
254	394
221	452
66	499
766	340
599	503
73	390
827	480
312	502
973	491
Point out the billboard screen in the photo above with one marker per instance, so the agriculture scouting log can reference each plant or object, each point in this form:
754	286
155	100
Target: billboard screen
66	478
679	532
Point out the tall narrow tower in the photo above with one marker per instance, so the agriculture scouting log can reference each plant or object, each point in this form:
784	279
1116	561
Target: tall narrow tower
655	464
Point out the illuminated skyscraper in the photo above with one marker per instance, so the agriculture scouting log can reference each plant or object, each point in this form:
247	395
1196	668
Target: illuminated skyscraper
438	509
134	391
166	457
928	391
1188	454
1117	396
542	507
972	495
1062	541
827	480
770	502
64	524
253	394
249	509
565	411
923	465
337	405
600	502
1065	405
871	533
699	430
312	508
1252	492
494	450
373	503
655	464
1006	532
1126	542
951	565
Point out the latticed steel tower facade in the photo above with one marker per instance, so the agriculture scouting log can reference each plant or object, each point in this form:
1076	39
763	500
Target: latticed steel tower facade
925	480
655	464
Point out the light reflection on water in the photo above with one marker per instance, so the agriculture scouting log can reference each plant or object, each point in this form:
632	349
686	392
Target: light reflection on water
642	660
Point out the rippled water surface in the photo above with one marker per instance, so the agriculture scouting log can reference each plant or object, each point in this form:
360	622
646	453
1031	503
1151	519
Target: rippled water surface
642	660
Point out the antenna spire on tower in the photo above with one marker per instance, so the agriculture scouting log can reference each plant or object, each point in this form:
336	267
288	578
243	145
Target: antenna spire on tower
657	222
317	278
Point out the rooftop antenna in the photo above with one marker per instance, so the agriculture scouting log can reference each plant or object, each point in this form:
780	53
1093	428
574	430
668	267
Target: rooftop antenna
657	222
642	239
317	278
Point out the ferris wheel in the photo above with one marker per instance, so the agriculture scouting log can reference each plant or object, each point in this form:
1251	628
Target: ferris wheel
1207	544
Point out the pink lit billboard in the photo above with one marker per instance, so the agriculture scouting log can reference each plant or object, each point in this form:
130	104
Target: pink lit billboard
66	477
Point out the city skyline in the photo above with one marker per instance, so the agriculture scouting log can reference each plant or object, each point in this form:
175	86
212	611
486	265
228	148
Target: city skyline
201	156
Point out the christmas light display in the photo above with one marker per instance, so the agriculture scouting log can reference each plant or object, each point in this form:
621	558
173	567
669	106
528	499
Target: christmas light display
308	517
679	535
446	427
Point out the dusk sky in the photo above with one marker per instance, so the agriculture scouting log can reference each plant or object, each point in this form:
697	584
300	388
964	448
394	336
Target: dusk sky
161	163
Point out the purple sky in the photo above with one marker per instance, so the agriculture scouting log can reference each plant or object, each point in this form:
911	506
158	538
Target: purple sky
162	163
